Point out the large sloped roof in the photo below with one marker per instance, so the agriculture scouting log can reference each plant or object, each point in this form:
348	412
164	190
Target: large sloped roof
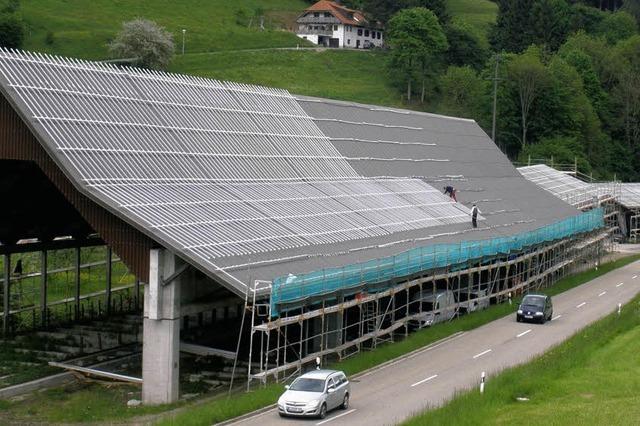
248	183
566	187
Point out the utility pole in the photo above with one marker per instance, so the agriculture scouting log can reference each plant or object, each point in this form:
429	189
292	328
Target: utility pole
183	33
495	98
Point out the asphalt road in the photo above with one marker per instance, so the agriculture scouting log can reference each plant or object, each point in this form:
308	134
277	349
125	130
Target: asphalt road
428	378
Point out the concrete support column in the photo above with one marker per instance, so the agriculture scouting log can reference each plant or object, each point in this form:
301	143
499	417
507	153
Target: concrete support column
161	333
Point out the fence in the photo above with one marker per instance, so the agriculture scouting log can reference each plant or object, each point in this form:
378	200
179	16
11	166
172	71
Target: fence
293	288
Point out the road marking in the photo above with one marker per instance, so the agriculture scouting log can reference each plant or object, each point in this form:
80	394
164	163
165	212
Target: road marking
481	353
618	285
336	417
425	380
634	277
523	333
412	354
602	294
581	305
556	317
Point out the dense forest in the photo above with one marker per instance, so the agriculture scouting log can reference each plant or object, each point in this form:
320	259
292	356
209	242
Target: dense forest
566	75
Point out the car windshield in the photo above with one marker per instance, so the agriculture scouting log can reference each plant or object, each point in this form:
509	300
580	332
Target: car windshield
307	385
537	301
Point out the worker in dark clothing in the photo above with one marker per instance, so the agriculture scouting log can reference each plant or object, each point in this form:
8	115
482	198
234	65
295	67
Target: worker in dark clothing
474	216
451	191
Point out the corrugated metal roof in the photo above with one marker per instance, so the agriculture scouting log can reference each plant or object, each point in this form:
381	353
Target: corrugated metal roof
247	182
629	195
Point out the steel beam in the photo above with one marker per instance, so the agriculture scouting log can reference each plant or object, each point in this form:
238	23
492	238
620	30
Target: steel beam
107	294
6	298
43	288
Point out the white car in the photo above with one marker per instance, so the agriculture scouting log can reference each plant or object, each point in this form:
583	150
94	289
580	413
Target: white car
315	393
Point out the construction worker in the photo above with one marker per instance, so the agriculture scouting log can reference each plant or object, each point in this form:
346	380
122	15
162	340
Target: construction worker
474	215
451	191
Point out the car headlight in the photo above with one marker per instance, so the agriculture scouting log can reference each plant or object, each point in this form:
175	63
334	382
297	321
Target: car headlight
313	404
519	311
538	313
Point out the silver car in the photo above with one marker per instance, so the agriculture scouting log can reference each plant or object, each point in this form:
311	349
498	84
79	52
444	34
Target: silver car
315	393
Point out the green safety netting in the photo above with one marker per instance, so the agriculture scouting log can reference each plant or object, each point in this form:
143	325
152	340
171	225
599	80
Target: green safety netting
291	288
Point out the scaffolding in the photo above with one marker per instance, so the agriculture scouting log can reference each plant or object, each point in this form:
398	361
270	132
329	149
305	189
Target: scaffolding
336	326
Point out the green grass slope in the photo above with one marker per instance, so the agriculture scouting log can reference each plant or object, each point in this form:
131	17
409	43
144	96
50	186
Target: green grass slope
82	28
591	379
338	74
477	13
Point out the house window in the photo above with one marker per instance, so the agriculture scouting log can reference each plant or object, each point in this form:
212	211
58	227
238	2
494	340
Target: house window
379	35
327	15
309	27
335	28
316	15
359	31
348	41
366	33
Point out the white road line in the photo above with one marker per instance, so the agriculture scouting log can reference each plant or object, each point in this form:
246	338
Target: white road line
413	354
602	294
425	380
481	353
556	317
523	333
336	417
619	284
634	277
581	305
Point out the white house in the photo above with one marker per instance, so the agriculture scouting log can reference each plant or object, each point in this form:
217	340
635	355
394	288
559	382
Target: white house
327	23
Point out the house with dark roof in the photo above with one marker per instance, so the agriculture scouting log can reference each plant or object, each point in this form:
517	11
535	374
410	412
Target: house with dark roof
330	24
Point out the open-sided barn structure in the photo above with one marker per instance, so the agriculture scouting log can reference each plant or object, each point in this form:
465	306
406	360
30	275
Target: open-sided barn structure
323	218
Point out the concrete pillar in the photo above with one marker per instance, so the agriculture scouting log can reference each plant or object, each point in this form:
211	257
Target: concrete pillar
161	332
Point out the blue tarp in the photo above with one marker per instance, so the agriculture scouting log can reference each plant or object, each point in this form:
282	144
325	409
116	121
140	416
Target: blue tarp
327	281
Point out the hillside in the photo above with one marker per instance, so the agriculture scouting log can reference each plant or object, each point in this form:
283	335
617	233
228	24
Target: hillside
215	28
82	28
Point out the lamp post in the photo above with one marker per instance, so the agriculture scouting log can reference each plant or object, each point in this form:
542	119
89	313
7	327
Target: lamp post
184	31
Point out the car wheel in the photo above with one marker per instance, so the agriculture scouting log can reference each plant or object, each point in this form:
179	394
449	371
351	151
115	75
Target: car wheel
345	402
323	411
543	319
518	319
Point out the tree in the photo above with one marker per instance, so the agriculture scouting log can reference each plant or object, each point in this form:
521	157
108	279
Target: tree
465	47
11	30
383	10
529	76
463	90
585	18
150	44
416	39
626	92
617	26
563	150
11	25
632	7
512	31
549	22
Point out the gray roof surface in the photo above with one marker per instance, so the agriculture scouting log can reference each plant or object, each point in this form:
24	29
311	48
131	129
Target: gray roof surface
629	194
568	188
248	183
